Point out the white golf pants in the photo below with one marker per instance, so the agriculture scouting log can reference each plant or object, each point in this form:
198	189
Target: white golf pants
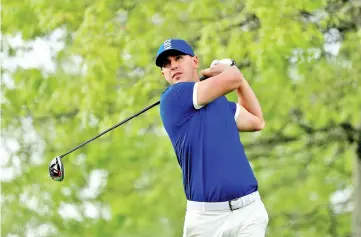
217	220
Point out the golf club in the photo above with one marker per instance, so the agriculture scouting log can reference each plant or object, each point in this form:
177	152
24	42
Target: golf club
56	167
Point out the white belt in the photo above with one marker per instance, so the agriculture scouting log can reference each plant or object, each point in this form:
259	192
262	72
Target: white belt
220	206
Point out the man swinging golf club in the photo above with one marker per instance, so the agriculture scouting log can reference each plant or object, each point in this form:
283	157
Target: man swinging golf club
203	126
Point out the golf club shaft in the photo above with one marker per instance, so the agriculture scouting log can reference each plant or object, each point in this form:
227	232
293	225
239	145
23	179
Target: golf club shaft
117	125
109	129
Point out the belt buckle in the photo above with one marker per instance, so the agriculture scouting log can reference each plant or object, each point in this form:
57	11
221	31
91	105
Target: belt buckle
230	205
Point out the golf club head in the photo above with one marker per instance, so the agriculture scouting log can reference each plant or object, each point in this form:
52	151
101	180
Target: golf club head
56	169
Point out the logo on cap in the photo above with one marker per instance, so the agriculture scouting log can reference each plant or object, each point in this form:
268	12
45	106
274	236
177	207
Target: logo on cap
167	44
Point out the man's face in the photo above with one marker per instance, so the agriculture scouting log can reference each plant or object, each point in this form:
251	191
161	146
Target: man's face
180	68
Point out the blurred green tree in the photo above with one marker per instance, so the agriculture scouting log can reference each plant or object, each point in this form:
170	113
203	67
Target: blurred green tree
301	58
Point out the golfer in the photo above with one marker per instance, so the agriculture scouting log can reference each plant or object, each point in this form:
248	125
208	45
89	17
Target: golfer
203	126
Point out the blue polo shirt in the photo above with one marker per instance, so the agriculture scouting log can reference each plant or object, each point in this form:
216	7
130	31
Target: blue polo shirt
207	144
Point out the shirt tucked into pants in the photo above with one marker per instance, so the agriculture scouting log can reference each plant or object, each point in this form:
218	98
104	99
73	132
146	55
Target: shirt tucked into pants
243	217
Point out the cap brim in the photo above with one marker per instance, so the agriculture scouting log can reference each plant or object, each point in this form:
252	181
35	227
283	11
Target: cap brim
162	56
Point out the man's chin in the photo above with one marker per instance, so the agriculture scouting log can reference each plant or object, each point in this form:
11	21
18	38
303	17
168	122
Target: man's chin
181	80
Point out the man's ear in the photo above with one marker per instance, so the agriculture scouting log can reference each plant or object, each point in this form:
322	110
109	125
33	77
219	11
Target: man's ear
195	62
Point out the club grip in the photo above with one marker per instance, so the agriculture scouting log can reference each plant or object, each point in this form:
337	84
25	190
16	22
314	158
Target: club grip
203	78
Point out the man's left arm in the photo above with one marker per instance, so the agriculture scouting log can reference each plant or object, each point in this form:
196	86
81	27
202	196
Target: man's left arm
249	113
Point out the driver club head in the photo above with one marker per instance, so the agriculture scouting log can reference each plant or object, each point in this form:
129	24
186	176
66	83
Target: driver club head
56	169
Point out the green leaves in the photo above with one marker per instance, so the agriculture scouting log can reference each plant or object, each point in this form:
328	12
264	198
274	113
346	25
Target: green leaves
106	73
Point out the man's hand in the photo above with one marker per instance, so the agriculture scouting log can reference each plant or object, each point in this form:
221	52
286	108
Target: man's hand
214	70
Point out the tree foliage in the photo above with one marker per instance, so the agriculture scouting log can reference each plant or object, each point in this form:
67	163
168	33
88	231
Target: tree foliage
301	59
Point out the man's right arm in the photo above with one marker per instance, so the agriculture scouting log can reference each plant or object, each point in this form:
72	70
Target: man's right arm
218	84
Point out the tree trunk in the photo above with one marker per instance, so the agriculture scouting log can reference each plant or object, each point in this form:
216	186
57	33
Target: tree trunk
356	229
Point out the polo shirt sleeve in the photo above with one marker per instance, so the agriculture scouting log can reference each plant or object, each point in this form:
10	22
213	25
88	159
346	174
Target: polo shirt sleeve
195	102
235	108
177	103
